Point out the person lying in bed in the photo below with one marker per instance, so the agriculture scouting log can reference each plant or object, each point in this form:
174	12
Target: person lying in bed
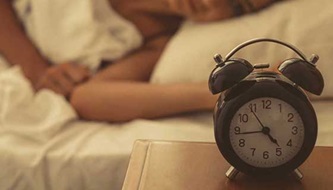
121	91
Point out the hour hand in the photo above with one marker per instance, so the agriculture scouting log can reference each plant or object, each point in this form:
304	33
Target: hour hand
273	140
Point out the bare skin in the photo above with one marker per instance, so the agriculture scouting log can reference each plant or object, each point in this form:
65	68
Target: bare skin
121	91
60	78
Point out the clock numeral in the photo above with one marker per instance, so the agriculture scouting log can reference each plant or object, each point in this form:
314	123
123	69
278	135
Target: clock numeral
243	118
290	117
241	142
266	104
265	155
289	143
280	106
253	107
237	130
253	150
278	152
294	130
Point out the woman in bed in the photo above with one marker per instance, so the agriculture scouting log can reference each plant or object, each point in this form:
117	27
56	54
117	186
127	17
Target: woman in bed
121	91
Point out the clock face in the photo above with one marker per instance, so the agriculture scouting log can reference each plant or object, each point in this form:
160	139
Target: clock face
266	132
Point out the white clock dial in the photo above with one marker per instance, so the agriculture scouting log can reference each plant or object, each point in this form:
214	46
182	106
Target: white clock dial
266	132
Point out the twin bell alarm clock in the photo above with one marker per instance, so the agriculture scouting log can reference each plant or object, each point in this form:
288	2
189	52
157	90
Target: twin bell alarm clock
264	123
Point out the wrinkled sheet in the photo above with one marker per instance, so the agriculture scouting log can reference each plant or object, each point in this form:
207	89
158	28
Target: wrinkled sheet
42	143
55	150
44	146
83	32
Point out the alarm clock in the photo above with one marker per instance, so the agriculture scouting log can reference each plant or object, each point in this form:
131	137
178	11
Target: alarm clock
264	123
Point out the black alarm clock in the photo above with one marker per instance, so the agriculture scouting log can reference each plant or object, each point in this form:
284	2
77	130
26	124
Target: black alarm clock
264	123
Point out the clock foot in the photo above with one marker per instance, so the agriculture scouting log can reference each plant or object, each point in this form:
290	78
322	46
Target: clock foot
298	174
232	173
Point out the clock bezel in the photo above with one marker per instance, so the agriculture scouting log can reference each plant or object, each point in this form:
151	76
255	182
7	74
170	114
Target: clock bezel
273	87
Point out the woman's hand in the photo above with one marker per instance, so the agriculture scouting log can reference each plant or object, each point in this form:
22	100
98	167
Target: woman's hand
63	78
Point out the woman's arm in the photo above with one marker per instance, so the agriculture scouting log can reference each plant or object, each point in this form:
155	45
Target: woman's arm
122	92
119	101
136	66
17	48
15	45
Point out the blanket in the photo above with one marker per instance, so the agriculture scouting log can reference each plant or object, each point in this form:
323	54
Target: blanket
43	146
84	32
79	31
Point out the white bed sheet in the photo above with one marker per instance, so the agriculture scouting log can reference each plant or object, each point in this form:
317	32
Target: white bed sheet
94	155
88	155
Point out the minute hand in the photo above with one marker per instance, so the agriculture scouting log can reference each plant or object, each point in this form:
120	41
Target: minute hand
255	115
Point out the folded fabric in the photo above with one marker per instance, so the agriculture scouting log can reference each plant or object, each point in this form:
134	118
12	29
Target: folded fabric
78	31
34	117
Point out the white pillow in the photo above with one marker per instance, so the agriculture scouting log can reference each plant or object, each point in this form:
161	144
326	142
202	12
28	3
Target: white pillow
306	24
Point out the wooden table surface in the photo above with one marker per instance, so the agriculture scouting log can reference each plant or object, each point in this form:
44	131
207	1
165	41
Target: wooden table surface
200	166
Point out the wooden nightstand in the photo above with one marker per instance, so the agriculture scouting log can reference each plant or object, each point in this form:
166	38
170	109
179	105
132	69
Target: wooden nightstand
159	165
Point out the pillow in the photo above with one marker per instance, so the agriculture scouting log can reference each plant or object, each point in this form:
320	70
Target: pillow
306	24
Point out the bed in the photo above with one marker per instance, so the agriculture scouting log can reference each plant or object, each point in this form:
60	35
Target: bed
63	152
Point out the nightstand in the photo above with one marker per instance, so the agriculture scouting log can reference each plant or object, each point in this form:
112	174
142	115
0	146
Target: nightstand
164	165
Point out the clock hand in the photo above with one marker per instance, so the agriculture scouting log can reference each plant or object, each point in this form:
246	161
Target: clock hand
265	130
249	132
272	139
255	115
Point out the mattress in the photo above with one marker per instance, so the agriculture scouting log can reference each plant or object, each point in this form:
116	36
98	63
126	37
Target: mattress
95	155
